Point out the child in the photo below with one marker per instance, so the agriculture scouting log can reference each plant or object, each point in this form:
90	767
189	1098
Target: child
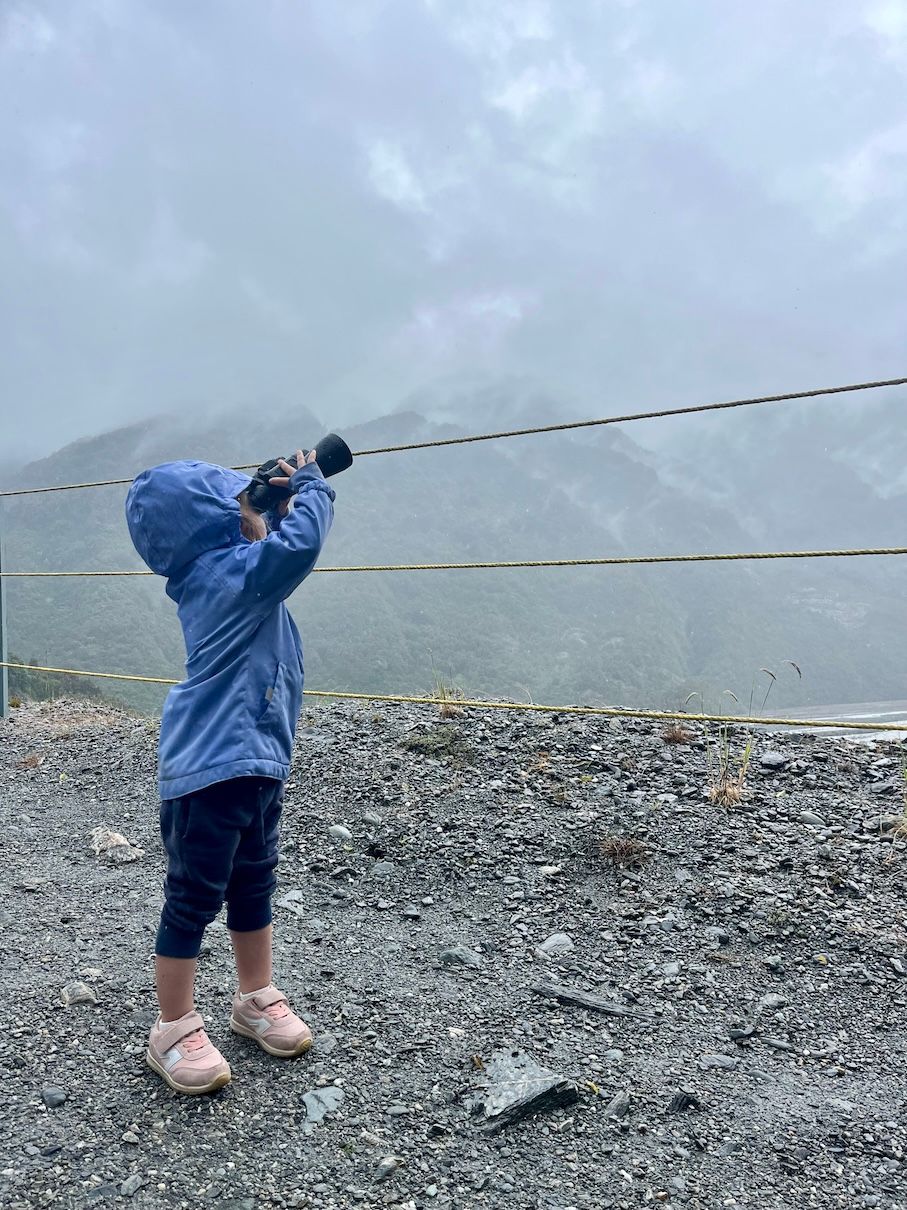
226	740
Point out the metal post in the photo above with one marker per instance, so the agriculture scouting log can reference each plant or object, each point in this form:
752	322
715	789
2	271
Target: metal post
4	671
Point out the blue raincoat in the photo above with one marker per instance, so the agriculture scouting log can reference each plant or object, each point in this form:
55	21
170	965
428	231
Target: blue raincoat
235	715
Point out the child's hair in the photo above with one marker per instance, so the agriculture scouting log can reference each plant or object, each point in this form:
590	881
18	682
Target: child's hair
252	523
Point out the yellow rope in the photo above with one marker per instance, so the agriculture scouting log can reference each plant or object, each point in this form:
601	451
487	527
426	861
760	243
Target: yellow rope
606	711
547	428
616	561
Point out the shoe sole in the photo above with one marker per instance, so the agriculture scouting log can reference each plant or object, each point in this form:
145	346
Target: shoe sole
188	1090
245	1032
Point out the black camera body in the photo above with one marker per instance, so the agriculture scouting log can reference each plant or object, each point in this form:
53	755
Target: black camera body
333	456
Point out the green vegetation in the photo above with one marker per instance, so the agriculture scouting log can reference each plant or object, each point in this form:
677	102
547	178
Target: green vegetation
443	742
43	686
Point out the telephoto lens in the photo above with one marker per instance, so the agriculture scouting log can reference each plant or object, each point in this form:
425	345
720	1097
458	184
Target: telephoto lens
333	456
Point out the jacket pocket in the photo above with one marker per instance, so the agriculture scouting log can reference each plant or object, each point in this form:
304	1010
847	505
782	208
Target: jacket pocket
274	718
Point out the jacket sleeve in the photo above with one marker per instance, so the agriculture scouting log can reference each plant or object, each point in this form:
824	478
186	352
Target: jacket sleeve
275	567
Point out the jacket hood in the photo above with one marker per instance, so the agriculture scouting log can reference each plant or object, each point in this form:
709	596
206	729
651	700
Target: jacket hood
179	510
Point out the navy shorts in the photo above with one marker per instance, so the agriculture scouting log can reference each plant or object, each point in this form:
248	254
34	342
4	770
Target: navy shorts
221	846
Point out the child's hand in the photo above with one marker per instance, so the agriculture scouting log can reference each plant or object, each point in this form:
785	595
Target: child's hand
301	460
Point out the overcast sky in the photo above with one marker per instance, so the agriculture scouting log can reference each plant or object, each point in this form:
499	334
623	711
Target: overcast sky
347	204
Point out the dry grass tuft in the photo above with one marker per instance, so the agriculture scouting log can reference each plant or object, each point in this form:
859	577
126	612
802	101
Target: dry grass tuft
624	851
450	699
721	958
728	789
677	733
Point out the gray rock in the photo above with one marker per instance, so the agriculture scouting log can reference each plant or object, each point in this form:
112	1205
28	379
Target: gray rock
619	1105
292	902
811	818
779	1044
719	934
387	1167
882	823
78	993
719	1062
460	954
581	999
102	1193
322	1101
339	832
557	943
514	1086
131	1185
53	1097
773	760
772	1001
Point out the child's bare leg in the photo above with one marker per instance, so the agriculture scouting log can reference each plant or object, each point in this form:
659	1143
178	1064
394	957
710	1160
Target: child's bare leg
253	959
175	978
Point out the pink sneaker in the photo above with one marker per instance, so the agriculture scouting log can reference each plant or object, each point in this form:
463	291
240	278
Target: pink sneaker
183	1056
269	1020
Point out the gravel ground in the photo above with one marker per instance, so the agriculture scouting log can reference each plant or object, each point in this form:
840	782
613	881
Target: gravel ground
434	873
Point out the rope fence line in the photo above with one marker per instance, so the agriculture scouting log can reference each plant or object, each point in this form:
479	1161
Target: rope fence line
547	428
632	416
615	561
470	703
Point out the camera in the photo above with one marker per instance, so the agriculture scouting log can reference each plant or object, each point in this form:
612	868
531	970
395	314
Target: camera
334	456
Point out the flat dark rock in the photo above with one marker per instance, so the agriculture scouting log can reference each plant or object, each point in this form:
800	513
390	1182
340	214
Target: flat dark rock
516	1086
581	999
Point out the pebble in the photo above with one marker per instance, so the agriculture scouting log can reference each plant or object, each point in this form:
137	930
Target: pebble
78	993
720	1062
131	1185
557	943
387	1167
773	760
811	818
53	1097
322	1101
882	823
683	1099
339	832
460	954
772	1001
719	934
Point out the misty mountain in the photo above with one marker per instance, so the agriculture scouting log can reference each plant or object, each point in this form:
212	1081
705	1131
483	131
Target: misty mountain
641	636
